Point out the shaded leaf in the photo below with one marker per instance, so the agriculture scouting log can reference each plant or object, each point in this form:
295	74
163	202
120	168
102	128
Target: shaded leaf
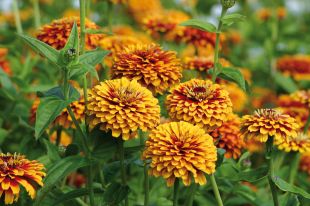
74	194
229	19
285	82
285	186
220	156
249	175
116	193
233	74
93	57
52	150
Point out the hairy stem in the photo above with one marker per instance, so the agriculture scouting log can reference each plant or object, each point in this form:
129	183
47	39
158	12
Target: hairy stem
216	191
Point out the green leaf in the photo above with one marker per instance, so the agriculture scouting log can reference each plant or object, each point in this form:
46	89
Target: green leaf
285	82
6	86
57	172
229	19
93	57
286	187
106	148
74	194
3	134
40	47
116	193
220	156
243	157
72	149
233	74
73	40
199	24
249	175
52	150
98	31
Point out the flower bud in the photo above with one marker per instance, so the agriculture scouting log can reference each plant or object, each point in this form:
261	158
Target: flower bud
228	3
70	54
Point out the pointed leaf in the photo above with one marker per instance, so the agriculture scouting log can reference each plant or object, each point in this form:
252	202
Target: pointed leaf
74	194
285	83
233	74
286	187
229	19
199	24
116	193
52	150
40	47
73	40
93	57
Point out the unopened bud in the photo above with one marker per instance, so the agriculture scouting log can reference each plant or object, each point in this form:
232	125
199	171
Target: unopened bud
228	3
70	54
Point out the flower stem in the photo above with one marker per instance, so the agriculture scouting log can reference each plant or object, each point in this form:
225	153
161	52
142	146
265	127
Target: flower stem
122	164
294	167
269	157
146	183
176	192
82	25
18	23
192	192
37	18
109	15
217	44
216	191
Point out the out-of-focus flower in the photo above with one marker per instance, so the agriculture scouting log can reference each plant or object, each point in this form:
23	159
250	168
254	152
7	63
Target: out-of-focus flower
265	14
25	15
180	150
65	138
116	44
192	51
119	1
229	137
253	145
301	144
4	64
140	9
263	97
199	102
297	66
295	105
76	179
71	12
150	65
188	3
163	22
304	164
16	171
64	119
122	106
237	95
199	63
123	30
269	122
57	33
246	74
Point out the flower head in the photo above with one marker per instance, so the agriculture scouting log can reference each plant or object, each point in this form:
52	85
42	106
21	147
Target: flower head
180	150
57	33
297	66
265	14
150	65
16	170
238	96
122	106
139	9
301	143
229	137
199	102
302	96
269	122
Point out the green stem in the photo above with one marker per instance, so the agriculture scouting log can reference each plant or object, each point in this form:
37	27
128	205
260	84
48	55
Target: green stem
176	192
82	25
18	23
216	191
110	8
101	176
294	167
58	135
37	18
146	175
192	192
217	44
122	164
269	157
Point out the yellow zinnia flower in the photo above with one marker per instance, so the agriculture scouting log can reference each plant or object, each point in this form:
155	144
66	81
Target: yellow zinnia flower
57	33
301	143
122	106
150	65
199	102
269	122
16	170
180	150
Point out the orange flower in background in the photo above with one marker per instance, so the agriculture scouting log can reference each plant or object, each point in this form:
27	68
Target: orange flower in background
122	106
265	14
266	123
302	96
16	171
304	164
151	66
57	33
199	63
139	9
4	63
180	150
263	97
229	137
76	179
297	66
301	144
238	97
163	22
199	102
119	1
192	51
253	146
65	138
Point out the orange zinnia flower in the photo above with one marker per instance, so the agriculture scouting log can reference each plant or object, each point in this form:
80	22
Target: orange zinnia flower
297	66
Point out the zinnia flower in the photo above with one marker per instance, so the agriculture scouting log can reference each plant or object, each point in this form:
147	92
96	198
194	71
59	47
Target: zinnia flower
57	33
153	67
16	170
301	144
265	14
229	137
180	150
237	95
304	164
139	9
199	102
302	96
65	138
262	97
122	106
297	66
269	122
4	64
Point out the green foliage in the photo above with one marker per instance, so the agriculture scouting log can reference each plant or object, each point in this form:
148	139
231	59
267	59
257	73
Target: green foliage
230	19
199	24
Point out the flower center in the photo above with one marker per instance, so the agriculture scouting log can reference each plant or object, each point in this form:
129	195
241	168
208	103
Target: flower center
197	93
268	113
9	161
